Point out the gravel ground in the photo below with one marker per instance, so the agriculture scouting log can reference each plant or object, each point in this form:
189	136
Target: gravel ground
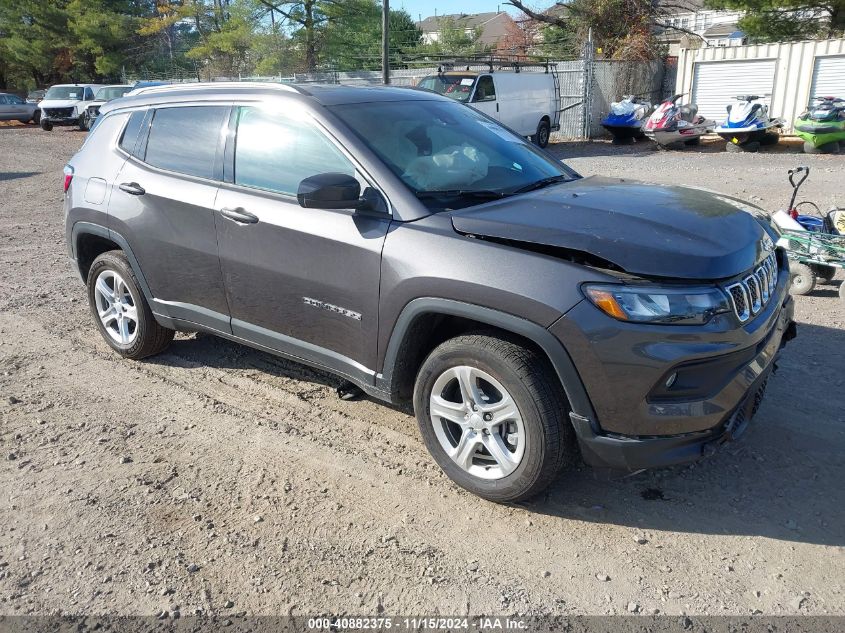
217	478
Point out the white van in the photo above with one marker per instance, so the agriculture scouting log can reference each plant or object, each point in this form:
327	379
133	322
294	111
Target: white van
526	102
65	104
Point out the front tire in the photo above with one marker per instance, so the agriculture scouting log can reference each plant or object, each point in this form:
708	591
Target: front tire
36	117
120	310
83	122
493	415
46	126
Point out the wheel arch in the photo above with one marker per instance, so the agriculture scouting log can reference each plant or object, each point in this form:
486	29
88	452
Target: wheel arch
91	240
420	328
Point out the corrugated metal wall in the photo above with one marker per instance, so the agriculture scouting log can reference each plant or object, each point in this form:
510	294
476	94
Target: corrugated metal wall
794	68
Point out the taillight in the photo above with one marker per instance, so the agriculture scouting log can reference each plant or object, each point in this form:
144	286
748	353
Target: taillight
68	172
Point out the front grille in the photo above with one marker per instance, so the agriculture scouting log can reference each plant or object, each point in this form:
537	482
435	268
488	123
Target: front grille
59	113
751	294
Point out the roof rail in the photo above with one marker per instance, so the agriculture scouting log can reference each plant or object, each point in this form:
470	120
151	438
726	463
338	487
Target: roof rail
210	85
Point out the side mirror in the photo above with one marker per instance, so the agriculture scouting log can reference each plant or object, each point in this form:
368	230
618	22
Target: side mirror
329	191
337	191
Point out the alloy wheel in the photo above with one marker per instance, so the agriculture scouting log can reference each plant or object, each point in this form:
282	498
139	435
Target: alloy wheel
116	308
477	423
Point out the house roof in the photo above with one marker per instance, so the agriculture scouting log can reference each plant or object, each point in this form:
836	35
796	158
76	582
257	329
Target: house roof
675	7
728	29
466	20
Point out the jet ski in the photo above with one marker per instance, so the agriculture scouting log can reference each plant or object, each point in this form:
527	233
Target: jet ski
673	124
822	126
749	125
625	121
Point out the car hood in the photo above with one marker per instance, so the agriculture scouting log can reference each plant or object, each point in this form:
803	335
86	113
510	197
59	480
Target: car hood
58	103
644	229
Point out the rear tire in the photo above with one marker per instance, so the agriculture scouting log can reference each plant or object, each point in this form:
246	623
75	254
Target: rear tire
544	131
36	117
824	274
532	434
115	299
802	280
827	148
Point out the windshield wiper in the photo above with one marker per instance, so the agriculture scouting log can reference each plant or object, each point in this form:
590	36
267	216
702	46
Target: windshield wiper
483	194
543	182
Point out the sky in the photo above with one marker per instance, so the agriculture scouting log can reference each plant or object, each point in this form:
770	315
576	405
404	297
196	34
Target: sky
427	7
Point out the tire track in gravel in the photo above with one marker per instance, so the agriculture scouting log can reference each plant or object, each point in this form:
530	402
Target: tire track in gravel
404	506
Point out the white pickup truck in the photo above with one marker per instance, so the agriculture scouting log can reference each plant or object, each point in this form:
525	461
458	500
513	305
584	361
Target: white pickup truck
526	102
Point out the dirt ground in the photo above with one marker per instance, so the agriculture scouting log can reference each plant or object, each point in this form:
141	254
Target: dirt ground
218	479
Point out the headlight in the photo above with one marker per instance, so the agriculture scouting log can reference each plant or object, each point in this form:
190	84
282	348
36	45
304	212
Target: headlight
655	304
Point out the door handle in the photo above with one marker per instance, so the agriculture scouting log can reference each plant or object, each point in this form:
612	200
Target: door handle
132	188
239	215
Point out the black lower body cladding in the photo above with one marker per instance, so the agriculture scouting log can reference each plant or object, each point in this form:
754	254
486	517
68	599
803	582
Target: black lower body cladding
625	368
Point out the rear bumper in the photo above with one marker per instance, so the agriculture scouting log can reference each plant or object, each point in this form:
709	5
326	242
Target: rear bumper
632	453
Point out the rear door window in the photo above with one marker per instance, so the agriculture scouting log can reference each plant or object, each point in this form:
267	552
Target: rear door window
186	139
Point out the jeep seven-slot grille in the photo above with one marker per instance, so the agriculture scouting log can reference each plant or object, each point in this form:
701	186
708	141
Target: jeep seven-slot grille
752	293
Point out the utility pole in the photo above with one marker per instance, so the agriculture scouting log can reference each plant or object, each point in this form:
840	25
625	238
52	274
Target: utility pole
385	42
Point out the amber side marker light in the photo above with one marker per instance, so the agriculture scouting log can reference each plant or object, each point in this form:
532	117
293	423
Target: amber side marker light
605	301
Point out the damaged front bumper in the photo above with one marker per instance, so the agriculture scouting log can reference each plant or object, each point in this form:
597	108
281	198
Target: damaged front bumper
633	453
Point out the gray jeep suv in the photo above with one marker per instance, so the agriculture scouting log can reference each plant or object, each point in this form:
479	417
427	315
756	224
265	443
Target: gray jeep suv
423	252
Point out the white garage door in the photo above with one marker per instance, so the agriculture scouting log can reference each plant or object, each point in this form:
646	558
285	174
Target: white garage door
829	77
716	84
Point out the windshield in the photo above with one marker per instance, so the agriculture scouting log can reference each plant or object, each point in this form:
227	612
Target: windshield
65	92
457	87
111	92
444	148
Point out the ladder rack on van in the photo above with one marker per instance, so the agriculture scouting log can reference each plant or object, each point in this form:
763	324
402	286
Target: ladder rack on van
494	63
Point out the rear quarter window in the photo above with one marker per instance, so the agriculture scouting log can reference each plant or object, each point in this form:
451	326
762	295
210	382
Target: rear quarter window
185	139
129	138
